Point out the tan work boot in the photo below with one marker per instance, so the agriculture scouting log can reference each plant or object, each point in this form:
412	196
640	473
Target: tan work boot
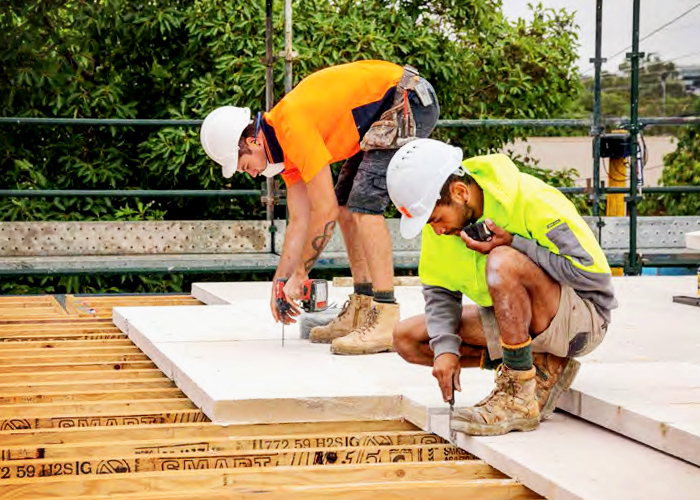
376	334
352	316
554	377
511	406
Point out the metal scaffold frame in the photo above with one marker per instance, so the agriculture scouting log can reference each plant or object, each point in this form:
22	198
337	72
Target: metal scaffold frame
633	125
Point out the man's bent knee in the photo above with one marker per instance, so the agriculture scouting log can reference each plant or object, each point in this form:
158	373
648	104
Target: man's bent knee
502	264
402	339
407	338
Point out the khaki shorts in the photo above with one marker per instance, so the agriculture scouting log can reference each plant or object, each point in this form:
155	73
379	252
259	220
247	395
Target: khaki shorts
576	329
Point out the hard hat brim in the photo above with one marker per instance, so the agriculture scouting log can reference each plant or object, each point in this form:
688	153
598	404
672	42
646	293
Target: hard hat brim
410	227
229	168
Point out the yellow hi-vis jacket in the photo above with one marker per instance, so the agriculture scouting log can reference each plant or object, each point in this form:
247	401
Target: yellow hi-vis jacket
546	227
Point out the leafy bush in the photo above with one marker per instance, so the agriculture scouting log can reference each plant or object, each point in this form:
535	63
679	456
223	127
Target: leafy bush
681	168
178	59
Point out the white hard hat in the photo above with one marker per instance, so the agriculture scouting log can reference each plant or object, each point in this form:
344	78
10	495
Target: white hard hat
414	178
219	135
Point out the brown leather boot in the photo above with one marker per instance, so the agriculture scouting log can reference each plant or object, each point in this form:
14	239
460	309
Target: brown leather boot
511	406
352	316
376	334
554	377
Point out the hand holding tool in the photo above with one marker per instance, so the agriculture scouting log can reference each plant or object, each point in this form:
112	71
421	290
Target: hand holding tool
478	231
314	295
314	298
283	305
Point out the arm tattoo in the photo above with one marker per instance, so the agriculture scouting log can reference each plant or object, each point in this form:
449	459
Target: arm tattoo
319	243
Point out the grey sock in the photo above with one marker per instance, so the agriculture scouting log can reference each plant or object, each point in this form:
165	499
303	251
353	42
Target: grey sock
363	289
385	296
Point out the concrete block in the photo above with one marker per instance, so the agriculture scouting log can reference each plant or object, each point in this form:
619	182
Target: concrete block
244	375
244	320
692	240
657	404
571	459
648	325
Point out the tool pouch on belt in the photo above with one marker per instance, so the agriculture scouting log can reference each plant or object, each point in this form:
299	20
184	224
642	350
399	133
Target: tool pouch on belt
396	126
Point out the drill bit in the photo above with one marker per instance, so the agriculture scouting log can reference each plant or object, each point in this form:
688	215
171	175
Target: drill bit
453	434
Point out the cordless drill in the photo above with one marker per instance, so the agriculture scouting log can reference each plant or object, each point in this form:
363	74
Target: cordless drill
314	295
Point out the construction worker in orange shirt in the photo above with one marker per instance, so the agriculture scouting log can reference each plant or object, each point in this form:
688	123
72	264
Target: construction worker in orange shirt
360	112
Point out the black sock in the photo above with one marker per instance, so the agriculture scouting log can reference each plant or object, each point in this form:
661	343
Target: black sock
385	296
517	357
363	289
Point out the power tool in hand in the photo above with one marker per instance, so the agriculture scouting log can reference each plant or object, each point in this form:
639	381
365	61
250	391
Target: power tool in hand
283	306
478	231
314	295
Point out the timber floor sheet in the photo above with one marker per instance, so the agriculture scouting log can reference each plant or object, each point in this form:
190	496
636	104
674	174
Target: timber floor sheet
84	414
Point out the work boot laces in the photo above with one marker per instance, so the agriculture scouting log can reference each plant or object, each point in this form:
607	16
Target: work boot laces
372	318
541	368
505	386
343	311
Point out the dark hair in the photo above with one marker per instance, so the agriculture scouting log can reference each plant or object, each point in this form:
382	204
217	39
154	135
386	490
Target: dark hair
249	131
445	196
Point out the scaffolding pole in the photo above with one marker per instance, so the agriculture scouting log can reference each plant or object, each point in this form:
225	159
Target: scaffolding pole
288	52
269	102
632	266
597	128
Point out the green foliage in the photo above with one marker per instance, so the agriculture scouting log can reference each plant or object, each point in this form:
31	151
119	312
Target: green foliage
173	283
681	168
655	75
145	283
557	178
178	59
661	93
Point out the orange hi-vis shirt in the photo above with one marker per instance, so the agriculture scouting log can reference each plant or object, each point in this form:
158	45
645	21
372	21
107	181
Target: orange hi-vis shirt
323	119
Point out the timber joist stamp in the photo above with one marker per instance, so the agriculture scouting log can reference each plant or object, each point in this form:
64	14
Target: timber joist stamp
182	416
184	459
51	447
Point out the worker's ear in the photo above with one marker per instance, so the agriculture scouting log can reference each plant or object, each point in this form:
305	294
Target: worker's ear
459	192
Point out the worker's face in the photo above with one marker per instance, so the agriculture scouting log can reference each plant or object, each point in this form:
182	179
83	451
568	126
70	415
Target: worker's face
255	162
464	208
450	219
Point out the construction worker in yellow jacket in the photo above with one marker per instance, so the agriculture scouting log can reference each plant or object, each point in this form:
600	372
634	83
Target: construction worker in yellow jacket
540	282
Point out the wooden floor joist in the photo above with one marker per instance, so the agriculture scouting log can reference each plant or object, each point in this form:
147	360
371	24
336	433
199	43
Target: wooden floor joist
91	394
98	376
61	358
221	443
65	345
204	430
68	387
44	350
85	415
83	366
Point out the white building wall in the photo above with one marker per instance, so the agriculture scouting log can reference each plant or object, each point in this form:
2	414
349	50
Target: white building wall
558	153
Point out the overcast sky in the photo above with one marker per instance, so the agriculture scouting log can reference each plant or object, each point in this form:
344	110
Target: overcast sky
679	41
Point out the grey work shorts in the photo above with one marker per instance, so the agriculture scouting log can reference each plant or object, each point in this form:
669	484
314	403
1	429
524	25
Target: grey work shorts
576	329
362	181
